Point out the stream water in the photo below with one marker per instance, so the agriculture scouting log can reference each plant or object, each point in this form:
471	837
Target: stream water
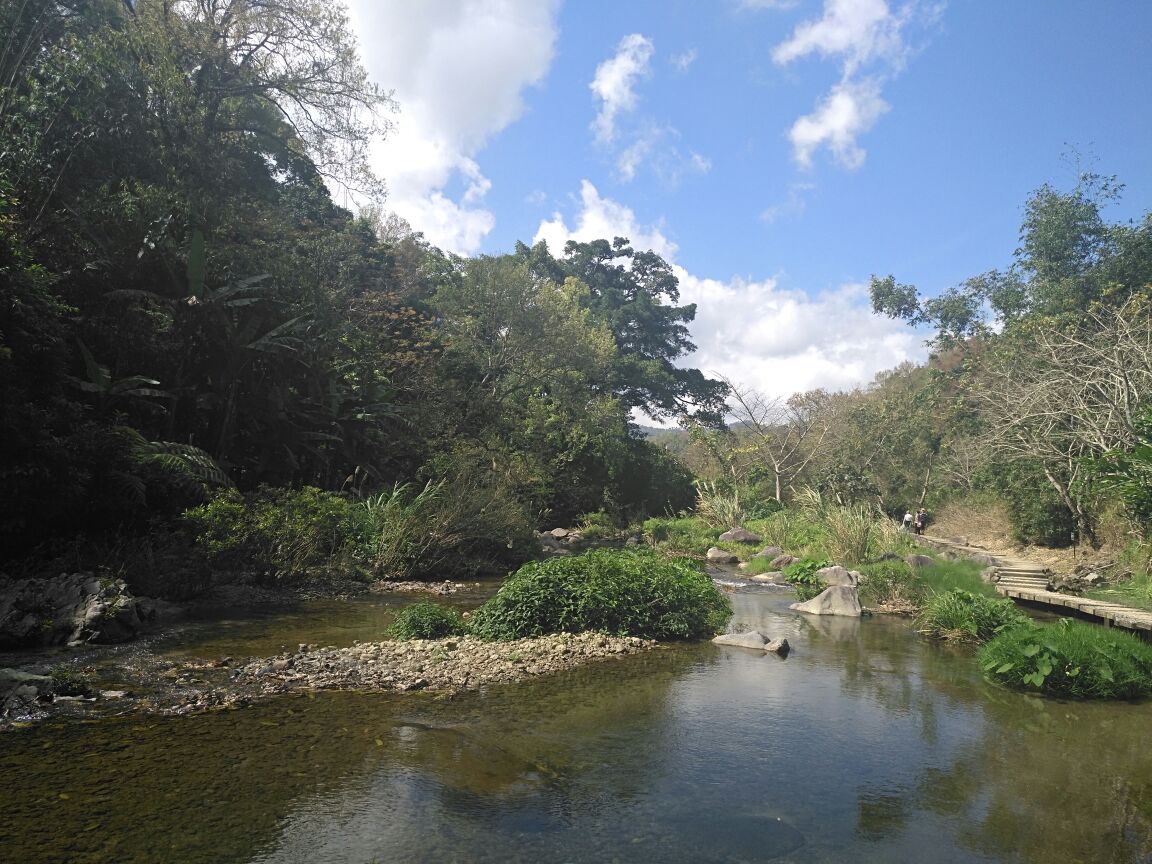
866	744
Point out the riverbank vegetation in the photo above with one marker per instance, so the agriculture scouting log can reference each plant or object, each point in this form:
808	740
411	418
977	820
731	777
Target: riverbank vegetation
211	368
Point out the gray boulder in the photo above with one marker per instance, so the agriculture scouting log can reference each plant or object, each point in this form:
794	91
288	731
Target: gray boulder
720	556
835	600
751	639
778	646
837	575
69	609
769	552
755	640
740	535
919	560
781	561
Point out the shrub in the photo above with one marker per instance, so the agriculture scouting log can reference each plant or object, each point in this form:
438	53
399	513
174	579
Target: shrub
1070	659
449	524
891	583
636	593
682	534
967	617
426	621
719	508
283	531
802	576
70	682
597	526
758	564
942	576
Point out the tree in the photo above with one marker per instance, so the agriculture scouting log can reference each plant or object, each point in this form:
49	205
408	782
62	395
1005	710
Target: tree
633	293
783	434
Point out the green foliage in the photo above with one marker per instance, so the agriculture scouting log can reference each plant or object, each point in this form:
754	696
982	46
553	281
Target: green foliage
967	617
426	621
1127	472
455	524
942	576
619	592
71	682
718	507
1037	514
597	526
756	565
1070	660
852	533
279	531
801	575
892	583
680	534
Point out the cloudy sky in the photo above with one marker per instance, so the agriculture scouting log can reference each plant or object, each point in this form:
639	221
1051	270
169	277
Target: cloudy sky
777	152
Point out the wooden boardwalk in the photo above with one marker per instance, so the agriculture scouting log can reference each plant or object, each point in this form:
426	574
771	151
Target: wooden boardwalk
1028	582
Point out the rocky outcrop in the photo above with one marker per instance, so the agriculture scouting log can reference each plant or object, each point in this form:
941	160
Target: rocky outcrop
755	640
835	600
740	535
69	609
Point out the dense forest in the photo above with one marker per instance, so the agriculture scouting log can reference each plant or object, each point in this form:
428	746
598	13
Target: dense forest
192	330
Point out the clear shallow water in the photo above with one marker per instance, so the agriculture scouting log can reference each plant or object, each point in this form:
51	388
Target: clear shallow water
865	744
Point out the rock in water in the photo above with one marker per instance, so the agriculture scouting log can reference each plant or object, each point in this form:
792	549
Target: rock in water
751	639
835	600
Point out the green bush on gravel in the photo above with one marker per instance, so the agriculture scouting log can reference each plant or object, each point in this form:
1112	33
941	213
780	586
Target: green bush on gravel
966	617
427	620
625	593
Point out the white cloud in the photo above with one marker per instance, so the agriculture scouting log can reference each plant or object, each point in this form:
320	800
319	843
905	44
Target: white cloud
458	69
684	60
869	40
793	204
754	332
602	218
615	82
849	110
857	30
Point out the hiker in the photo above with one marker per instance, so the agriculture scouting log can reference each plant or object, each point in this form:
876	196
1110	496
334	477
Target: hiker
921	521
907	526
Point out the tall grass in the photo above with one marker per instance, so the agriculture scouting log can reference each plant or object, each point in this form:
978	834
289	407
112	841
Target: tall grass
413	531
853	532
717	508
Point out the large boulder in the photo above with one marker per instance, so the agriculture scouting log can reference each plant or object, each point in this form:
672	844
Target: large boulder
769	552
715	555
920	560
740	535
783	560
68	609
834	600
837	575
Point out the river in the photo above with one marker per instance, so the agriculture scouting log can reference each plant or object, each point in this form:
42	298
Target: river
866	744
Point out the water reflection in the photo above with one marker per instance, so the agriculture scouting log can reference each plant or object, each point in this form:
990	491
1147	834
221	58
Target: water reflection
865	744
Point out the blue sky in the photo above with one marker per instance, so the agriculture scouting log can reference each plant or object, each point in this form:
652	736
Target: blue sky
777	152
